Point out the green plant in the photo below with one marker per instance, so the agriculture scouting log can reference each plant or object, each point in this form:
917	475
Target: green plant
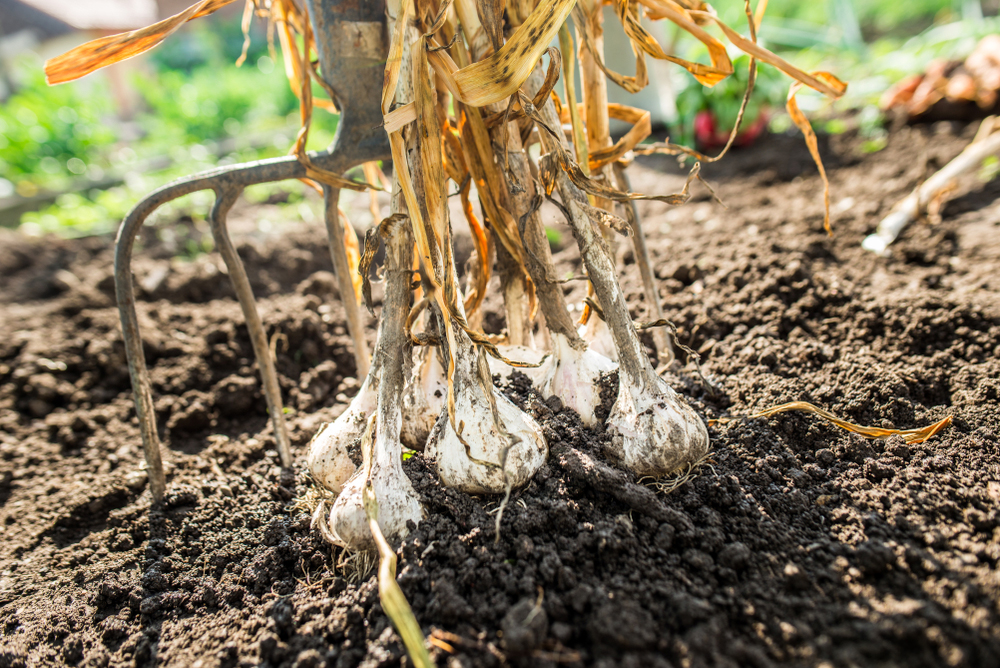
209	103
724	99
195	115
52	133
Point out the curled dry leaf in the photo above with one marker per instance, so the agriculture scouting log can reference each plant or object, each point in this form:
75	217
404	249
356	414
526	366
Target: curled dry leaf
803	124
105	51
909	435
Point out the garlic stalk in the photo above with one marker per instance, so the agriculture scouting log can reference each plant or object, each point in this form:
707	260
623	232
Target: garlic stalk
573	369
398	502
482	443
382	472
655	431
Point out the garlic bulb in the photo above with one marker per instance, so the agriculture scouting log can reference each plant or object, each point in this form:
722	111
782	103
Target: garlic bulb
654	431
573	375
499	443
398	502
425	394
329	458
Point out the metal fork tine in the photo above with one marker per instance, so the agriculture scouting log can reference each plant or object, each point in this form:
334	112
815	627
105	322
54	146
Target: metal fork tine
338	253
224	200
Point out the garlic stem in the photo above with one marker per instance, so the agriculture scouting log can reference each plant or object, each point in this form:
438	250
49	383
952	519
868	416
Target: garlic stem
664	347
398	502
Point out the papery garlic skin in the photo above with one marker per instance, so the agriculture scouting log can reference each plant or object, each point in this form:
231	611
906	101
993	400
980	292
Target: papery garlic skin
654	431
574	376
425	395
329	459
598	336
474	466
517	354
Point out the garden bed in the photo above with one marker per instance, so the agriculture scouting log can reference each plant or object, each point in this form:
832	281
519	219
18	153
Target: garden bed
797	544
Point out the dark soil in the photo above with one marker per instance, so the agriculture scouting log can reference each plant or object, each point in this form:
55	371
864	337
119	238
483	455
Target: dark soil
798	544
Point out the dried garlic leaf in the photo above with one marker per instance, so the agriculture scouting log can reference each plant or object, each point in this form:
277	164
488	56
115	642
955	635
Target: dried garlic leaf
909	435
353	253
500	75
105	51
803	124
392	598
706	75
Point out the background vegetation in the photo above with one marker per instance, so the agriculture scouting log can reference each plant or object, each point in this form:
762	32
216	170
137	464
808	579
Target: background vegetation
198	110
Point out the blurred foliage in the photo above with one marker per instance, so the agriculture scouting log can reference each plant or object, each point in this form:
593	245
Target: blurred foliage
48	130
724	99
787	21
197	111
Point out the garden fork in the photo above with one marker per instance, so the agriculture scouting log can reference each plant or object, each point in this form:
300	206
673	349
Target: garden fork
352	44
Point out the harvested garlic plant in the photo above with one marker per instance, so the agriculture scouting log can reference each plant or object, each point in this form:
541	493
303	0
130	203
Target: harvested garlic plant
382	451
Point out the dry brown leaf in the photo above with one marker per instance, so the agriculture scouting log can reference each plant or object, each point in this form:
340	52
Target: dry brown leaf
632	84
803	124
497	77
105	51
824	82
353	253
676	149
584	182
909	435
721	66
641	128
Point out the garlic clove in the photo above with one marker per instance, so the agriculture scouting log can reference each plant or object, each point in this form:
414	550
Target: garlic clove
574	376
426	393
654	431
329	460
